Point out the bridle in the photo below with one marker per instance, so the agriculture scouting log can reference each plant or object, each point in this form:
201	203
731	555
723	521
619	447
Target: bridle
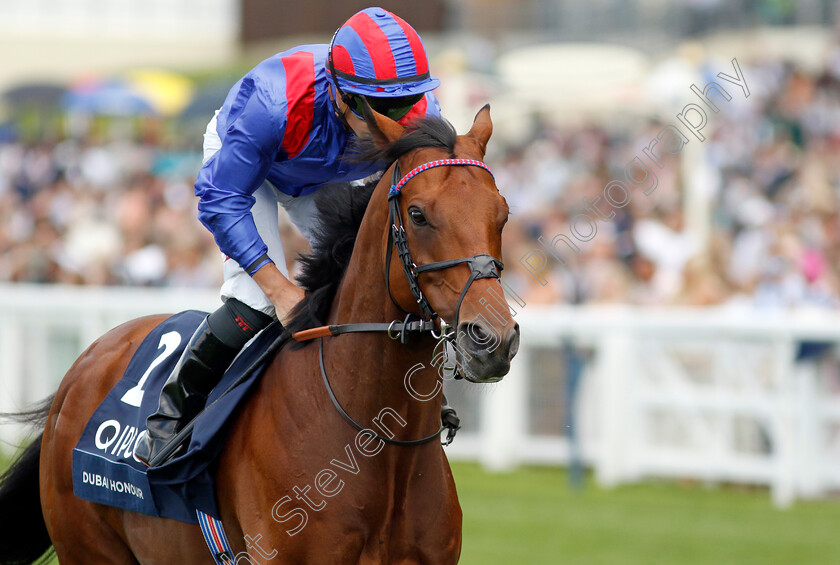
482	266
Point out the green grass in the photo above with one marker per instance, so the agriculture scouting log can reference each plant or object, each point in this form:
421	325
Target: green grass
532	517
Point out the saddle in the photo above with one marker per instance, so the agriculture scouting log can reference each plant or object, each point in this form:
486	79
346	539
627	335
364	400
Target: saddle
104	470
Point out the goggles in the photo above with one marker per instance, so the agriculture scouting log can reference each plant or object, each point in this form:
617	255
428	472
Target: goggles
395	108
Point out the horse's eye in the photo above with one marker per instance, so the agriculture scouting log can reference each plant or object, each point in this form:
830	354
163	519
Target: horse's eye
417	216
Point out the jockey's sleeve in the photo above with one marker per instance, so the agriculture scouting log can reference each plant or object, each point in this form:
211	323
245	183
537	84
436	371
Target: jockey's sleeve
227	181
432	105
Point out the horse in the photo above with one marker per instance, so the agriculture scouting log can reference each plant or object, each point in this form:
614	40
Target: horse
295	482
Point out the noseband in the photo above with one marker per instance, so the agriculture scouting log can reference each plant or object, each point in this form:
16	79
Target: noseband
482	266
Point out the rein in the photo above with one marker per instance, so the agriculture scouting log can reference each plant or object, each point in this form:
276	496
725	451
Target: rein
482	266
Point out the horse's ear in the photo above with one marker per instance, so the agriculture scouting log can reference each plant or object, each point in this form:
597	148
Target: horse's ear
482	128
383	129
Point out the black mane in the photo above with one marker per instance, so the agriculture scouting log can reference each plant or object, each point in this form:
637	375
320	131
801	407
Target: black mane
341	208
430	132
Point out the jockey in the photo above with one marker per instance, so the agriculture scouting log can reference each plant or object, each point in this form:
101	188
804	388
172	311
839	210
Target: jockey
281	134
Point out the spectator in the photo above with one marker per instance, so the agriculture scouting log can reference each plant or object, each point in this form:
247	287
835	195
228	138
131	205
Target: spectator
99	211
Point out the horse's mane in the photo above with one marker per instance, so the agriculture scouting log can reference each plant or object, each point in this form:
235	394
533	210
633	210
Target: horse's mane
341	208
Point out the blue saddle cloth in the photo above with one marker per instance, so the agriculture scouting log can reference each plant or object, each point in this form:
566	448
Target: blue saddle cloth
104	469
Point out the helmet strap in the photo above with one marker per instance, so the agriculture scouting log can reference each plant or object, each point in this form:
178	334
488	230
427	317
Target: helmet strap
344	96
338	112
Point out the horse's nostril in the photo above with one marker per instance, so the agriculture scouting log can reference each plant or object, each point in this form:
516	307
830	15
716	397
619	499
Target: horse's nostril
477	333
478	338
513	342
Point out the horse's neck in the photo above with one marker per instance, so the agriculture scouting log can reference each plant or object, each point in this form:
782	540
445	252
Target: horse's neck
371	367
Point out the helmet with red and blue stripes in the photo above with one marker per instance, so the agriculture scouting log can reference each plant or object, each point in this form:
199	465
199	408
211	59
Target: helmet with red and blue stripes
376	53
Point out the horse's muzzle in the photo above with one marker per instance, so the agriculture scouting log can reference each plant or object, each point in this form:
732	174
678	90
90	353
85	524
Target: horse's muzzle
484	352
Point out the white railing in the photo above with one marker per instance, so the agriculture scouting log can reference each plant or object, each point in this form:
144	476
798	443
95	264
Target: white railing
43	328
704	394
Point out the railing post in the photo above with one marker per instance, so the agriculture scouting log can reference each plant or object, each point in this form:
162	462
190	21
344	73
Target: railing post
503	416
614	366
809	482
783	486
11	375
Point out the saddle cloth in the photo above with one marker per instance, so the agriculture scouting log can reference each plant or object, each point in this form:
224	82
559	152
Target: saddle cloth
104	469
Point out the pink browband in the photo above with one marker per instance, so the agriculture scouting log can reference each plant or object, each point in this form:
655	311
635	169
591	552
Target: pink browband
395	188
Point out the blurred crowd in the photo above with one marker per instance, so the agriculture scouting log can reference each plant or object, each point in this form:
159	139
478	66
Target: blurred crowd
769	168
120	209
102	212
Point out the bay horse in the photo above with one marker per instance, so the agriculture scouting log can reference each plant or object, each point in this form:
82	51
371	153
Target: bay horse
295	483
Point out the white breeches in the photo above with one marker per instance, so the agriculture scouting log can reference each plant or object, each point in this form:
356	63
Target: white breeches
302	212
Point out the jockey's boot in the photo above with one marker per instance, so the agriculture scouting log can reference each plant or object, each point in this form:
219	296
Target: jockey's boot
211	350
